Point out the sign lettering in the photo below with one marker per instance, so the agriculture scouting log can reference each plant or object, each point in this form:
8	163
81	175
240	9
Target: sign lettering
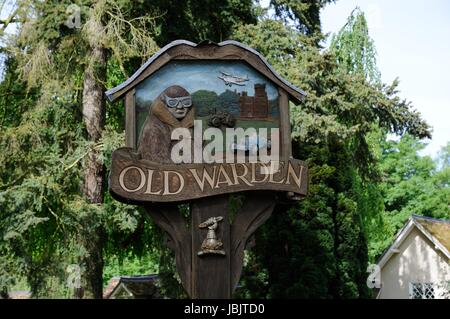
143	180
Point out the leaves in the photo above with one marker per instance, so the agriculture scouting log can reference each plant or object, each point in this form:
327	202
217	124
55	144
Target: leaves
361	188
354	49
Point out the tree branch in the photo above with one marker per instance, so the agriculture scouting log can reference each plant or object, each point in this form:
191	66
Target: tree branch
7	21
10	19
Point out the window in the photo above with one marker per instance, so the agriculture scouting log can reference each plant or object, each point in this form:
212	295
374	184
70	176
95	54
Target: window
418	290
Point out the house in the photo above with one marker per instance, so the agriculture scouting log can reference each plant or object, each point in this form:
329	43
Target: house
416	265
133	287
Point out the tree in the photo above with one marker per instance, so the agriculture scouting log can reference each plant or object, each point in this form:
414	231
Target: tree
305	14
354	49
50	42
411	184
198	20
330	131
38	186
69	129
444	157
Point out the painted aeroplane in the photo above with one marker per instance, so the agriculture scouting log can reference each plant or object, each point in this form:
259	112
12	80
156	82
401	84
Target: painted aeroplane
230	79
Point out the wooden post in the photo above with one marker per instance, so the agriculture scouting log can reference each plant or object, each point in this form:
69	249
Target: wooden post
212	276
285	142
210	273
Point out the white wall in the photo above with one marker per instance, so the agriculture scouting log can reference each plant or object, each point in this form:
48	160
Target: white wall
416	261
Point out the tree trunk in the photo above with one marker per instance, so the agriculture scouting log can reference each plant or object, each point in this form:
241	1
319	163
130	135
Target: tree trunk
92	236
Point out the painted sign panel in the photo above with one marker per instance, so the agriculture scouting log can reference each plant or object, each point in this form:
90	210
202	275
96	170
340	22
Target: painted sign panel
220	94
200	125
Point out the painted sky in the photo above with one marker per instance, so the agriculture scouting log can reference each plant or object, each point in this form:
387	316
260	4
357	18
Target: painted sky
202	75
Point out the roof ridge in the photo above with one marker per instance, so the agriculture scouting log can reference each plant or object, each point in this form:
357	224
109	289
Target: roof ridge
138	276
439	220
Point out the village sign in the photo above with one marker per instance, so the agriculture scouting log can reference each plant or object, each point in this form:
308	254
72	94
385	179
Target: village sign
205	122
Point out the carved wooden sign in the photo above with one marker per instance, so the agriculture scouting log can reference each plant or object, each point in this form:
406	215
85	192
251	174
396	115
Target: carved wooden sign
146	181
204	121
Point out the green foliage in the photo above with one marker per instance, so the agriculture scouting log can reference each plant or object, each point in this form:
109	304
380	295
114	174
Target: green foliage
361	188
39	186
41	207
55	52
229	101
411	184
198	20
130	265
170	281
205	102
444	156
319	249
208	102
14	98
305	14
354	49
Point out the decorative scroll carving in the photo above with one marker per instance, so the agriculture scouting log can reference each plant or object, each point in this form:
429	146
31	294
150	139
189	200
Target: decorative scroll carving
257	209
168	217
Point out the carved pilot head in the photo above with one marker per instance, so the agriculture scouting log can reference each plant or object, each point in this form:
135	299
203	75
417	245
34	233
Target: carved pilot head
177	100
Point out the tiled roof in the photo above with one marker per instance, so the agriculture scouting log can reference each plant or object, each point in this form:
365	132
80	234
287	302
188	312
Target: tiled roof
438	228
296	92
111	286
139	286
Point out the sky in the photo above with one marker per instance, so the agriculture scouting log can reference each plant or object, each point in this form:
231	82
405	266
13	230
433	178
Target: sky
412	38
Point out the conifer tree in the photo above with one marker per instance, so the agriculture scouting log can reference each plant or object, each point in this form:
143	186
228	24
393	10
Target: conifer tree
69	52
